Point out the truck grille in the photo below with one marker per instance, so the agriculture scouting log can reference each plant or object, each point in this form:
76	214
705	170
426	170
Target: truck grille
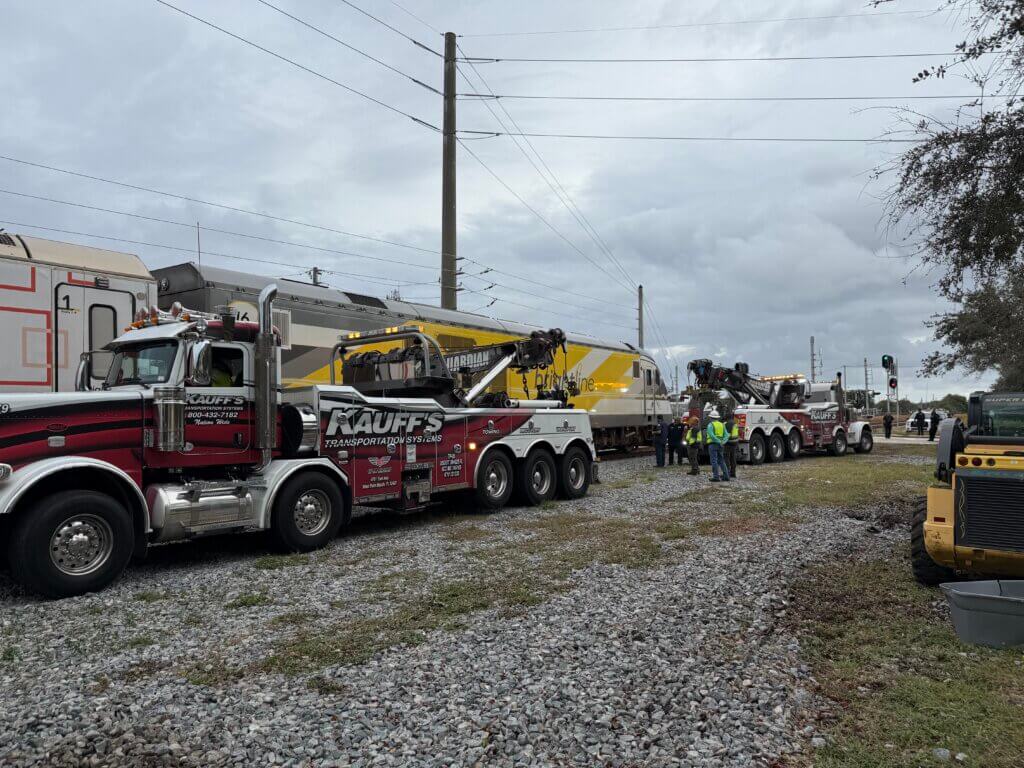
989	512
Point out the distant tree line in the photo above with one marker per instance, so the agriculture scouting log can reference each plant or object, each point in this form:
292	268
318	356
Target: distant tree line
956	199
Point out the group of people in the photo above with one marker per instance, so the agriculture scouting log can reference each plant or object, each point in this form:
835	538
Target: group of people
919	421
686	438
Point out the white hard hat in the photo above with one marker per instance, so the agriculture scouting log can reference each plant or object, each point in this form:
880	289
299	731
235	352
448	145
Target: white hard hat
715	415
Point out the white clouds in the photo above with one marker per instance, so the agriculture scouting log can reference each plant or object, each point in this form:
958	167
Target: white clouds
744	250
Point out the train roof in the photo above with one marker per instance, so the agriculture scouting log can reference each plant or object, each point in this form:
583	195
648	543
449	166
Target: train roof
38	250
191	276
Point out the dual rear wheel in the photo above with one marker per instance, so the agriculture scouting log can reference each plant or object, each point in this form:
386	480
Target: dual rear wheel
533	480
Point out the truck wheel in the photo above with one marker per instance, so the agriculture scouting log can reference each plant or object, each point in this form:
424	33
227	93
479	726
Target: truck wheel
866	443
793	444
756	448
71	543
308	513
838	446
574	473
494	480
926	571
776	448
538	478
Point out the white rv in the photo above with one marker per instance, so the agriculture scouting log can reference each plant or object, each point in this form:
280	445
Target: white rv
58	300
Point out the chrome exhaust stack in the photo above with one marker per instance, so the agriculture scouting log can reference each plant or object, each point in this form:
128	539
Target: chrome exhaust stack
266	378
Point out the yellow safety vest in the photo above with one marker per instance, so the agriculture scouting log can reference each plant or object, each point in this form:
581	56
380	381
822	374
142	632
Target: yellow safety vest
694	435
717	428
735	434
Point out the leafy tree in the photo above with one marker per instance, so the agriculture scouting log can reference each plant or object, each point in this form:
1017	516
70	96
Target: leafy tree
958	200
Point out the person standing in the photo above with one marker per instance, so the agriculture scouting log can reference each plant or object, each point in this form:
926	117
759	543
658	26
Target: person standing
731	446
887	423
933	425
675	443
660	440
919	421
694	440
717	436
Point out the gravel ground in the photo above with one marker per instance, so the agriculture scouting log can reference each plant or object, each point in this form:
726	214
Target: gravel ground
678	664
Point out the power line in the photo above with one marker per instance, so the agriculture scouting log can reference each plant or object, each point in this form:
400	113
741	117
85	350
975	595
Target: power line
269	216
340	42
303	67
222	206
796	139
191	225
276	263
409	13
485	96
535	212
691	25
397	31
705	60
562	302
545	309
556	187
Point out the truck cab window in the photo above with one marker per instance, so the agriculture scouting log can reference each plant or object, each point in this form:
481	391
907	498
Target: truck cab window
227	367
142	364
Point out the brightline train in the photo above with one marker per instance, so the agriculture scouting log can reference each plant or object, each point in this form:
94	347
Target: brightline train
618	384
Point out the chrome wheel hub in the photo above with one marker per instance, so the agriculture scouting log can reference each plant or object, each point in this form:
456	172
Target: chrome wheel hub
577	473
541	478
81	545
312	512
497	480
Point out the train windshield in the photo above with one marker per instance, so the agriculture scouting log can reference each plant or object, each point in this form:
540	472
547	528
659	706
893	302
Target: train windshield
145	364
1003	415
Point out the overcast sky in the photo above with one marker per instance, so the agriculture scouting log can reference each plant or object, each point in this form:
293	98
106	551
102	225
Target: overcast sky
745	249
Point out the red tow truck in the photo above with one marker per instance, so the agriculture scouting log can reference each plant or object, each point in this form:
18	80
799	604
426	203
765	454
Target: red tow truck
190	434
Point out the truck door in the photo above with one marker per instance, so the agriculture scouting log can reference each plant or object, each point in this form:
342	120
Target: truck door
86	317
378	450
219	418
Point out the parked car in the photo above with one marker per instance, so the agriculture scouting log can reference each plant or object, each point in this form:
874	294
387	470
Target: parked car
911	427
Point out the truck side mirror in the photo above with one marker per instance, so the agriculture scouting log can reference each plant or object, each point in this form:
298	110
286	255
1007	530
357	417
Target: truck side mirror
200	360
84	373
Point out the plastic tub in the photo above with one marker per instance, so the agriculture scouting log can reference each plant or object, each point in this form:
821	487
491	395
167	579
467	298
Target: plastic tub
987	612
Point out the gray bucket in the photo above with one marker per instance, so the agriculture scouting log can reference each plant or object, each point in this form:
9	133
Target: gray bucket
987	612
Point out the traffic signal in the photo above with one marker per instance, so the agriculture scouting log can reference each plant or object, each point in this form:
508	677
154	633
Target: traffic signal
892	382
887	362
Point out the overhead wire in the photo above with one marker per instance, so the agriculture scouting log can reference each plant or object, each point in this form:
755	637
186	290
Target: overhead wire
397	31
342	43
277	263
701	59
297	65
562	97
409	13
697	24
760	139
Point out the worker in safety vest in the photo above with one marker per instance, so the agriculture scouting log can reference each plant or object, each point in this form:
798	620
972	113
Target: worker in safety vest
717	436
694	440
731	446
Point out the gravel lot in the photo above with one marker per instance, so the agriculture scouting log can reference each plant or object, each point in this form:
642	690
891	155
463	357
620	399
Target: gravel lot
679	662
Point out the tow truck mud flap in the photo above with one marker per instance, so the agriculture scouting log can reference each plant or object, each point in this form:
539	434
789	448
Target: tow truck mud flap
595	475
987	612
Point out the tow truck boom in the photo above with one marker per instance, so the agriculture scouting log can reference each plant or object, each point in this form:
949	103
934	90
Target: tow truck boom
787	392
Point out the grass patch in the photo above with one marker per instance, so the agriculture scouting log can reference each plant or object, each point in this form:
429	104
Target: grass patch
142	641
150	596
618	485
877	647
249	601
669	529
467	533
325	687
9	654
291	619
274	562
142	670
213	673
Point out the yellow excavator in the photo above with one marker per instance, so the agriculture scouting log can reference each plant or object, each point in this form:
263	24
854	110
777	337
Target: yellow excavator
972	522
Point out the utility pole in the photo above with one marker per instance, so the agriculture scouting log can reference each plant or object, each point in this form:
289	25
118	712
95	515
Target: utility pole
867	390
675	380
812	360
449	289
640	314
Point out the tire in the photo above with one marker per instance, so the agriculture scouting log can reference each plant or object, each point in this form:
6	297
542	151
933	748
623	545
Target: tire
493	481
838	445
71	543
776	448
574	473
866	443
537	479
926	571
308	512
794	444
756	448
